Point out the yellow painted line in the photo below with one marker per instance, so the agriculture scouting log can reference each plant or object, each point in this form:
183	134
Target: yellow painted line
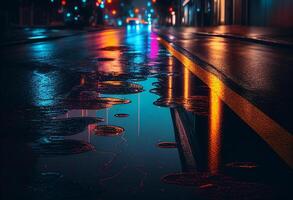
278	138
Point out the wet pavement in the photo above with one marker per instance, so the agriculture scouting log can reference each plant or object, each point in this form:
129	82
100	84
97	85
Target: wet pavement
269	35
114	115
262	72
16	36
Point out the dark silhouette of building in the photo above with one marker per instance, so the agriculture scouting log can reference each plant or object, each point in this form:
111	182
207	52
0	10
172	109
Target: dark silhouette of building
240	12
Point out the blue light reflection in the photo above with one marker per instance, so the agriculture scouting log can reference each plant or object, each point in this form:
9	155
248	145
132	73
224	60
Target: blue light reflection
44	86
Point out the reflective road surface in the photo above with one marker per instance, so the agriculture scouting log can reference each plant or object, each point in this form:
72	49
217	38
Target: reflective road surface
113	114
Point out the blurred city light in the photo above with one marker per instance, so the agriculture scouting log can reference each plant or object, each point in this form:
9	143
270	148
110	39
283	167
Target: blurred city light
63	2
119	22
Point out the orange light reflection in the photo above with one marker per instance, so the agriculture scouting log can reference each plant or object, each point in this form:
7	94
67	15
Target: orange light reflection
110	39
186	83
215	120
170	79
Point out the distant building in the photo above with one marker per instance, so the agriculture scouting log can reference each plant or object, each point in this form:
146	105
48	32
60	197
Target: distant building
70	12
48	12
242	12
33	13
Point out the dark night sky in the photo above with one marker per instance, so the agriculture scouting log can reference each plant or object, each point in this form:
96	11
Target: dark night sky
140	3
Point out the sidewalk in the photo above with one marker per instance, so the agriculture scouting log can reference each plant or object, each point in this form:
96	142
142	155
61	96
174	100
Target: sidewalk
263	35
30	35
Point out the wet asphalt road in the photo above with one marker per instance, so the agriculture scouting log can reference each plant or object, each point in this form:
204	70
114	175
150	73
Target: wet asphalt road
263	72
54	108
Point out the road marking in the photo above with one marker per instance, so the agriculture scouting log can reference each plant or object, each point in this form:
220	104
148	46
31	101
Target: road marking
279	139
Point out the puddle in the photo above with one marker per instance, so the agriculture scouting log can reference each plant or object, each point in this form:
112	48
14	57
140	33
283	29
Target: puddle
107	130
118	87
121	76
196	104
167	145
70	126
157	84
112	101
121	115
88	98
89	105
104	59
54	146
115	48
156	91
165	74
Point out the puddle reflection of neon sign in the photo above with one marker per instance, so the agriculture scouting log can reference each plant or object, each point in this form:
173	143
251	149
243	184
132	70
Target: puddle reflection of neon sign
154	47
